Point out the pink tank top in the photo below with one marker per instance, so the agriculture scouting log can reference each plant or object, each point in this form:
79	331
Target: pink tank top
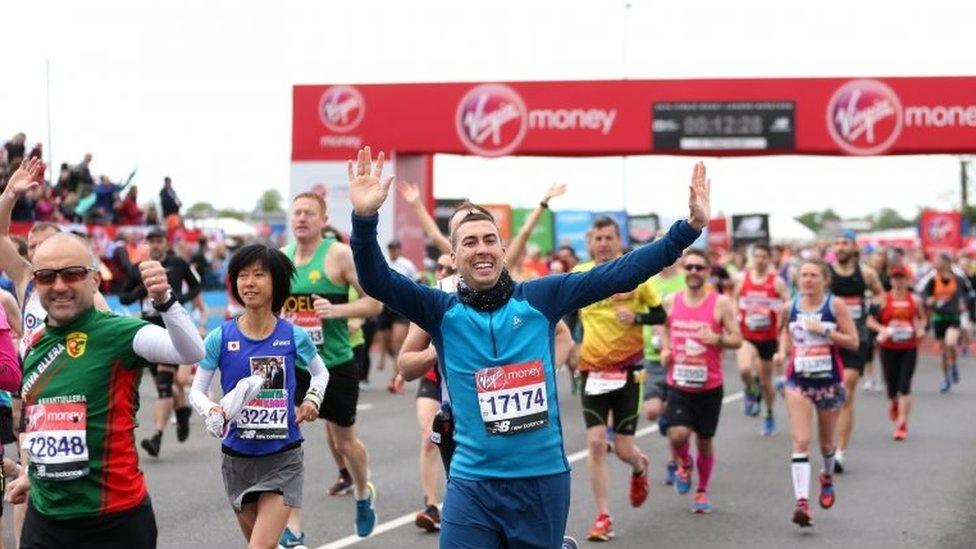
694	366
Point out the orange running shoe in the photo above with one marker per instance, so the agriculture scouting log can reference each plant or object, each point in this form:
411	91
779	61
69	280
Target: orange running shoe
602	529
901	432
639	484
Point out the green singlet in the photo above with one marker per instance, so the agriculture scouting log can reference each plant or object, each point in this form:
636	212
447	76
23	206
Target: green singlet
80	390
664	287
331	337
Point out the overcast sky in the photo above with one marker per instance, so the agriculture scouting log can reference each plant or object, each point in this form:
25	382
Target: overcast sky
201	91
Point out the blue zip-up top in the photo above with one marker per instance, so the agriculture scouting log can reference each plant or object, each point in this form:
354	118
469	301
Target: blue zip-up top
517	335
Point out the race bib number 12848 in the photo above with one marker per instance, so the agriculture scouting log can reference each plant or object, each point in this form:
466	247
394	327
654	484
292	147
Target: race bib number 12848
56	440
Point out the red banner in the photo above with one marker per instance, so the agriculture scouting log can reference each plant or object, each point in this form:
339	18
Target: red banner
718	236
101	235
788	115
940	231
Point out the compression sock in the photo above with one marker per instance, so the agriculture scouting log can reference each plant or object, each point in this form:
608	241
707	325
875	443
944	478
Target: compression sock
705	465
684	457
828	462
801	476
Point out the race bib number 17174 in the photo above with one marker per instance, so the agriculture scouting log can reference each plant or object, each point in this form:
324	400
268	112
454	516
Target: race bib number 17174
513	398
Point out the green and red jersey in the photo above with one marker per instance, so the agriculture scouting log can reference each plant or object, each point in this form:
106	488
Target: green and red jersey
80	389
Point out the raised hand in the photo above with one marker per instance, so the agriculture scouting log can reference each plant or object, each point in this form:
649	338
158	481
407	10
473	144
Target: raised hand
366	191
408	191
24	178
154	277
698	197
555	190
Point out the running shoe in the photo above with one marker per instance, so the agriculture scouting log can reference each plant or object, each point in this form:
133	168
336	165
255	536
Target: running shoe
366	513
826	491
151	445
602	529
838	465
570	542
751	401
944	386
182	423
768	426
288	539
901	432
639	485
342	486
682	479
801	515
701	504
893	410
429	519
954	373
672	474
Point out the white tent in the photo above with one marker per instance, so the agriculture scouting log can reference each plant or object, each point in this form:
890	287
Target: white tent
783	229
228	225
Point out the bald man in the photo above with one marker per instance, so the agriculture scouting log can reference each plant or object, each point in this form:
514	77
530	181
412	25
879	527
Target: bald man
81	379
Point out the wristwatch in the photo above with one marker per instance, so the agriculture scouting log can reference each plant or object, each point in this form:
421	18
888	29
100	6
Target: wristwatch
166	305
544	204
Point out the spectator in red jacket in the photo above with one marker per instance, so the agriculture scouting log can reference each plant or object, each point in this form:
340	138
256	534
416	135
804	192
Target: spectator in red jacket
128	209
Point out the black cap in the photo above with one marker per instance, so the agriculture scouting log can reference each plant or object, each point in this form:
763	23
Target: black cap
156	232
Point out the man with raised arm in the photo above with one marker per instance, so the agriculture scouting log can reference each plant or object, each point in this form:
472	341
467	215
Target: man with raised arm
509	479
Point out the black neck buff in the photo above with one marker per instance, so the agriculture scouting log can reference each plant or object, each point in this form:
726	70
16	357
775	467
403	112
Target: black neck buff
488	300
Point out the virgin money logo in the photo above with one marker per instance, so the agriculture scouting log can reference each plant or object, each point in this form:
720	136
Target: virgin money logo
491	120
941	229
864	117
341	108
490	379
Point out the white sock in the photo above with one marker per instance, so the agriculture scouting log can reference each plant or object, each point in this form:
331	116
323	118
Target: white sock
839	455
801	476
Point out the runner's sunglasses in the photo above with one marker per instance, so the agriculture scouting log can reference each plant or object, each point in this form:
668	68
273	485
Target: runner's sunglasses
70	275
695	268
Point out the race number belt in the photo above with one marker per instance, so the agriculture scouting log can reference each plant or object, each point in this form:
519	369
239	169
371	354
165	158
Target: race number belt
601	383
512	398
56	440
300	311
813	362
266	416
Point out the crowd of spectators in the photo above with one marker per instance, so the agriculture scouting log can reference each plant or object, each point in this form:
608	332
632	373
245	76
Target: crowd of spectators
76	197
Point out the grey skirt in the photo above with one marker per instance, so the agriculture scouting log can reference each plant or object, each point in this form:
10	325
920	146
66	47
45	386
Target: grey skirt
281	473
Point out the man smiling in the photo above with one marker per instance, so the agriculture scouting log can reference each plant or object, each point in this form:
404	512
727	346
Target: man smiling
509	479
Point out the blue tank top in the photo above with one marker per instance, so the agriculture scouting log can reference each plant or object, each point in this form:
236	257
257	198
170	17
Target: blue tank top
267	423
815	360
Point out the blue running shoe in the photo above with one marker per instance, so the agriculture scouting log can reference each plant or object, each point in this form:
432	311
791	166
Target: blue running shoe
944	386
288	539
954	373
672	474
662	425
365	513
682	479
768	426
701	503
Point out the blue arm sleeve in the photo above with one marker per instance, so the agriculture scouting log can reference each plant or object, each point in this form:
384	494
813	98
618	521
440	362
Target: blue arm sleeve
421	304
557	295
304	348
212	346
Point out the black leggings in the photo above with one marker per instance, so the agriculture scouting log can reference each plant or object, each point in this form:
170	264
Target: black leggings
899	367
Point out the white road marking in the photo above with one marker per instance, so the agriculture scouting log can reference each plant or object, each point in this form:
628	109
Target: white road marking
409	517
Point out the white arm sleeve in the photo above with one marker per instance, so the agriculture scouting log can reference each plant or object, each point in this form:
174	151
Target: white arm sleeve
319	381
178	343
198	392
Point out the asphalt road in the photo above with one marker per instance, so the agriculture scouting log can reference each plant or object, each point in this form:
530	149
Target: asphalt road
918	493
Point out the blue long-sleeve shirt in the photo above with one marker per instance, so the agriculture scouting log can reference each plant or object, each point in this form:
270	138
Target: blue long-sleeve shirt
498	367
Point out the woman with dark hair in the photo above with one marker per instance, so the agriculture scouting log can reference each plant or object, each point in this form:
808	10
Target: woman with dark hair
816	327
258	354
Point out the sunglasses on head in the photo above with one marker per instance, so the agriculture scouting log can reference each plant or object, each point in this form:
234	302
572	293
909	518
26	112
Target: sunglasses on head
695	268
449	269
69	275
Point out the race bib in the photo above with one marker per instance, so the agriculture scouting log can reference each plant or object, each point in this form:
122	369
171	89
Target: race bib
601	383
900	331
813	362
855	306
758	321
299	310
692	376
512	398
56	440
266	417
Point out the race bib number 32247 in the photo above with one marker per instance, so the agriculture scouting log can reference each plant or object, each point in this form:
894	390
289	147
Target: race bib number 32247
57	445
513	398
